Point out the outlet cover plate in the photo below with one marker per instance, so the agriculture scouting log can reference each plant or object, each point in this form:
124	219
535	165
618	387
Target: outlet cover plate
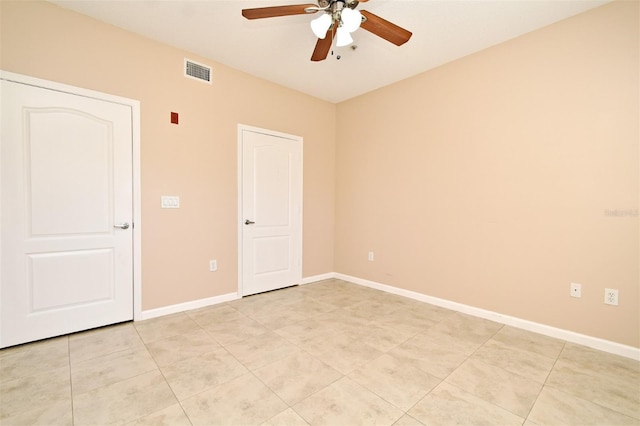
575	290
611	296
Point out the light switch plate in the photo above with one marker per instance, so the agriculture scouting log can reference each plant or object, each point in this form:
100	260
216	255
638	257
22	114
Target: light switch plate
170	202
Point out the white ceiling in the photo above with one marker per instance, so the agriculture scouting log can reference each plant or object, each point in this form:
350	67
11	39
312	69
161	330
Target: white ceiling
278	49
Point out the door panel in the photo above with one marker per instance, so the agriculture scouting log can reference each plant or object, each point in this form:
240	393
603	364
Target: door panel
272	254
272	182
272	203
57	201
62	279
66	181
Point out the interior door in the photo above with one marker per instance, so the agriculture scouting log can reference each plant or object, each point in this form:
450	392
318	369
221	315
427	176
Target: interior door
66	213
271	219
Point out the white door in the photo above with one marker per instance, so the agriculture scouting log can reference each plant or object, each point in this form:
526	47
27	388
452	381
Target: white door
66	213
271	210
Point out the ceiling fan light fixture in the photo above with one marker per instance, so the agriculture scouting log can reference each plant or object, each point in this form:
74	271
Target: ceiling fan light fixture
343	38
338	16
321	25
351	19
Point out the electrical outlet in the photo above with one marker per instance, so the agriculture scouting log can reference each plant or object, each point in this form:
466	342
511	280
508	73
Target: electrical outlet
213	265
611	296
575	290
370	256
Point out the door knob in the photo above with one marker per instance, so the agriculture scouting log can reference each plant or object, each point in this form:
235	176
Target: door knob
248	222
122	226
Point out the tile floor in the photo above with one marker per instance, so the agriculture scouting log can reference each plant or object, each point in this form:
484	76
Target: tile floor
329	353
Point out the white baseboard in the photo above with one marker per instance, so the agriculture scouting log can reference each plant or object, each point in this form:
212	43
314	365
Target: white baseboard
558	333
187	306
201	303
316	278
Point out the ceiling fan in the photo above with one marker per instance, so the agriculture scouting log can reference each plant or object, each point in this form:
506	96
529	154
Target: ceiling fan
339	18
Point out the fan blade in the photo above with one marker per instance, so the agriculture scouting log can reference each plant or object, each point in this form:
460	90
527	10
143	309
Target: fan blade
385	29
274	11
323	45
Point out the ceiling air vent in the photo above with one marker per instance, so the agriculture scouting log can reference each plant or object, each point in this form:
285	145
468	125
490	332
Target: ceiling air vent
197	71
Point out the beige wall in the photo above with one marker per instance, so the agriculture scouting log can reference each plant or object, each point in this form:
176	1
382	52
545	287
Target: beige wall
486	181
196	159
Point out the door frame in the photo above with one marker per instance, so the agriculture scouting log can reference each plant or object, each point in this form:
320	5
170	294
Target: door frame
135	137
240	218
